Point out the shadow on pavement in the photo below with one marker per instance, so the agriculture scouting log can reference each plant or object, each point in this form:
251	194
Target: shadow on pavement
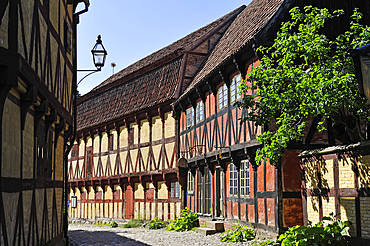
82	237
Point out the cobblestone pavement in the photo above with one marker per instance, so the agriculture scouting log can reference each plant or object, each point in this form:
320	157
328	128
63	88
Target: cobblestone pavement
105	235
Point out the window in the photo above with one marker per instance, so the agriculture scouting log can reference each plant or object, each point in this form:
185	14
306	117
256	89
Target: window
190	183
199	112
189	117
234	88
175	190
222	96
233	180
244	178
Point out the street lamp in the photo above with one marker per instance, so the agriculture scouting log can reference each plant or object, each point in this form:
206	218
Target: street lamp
99	54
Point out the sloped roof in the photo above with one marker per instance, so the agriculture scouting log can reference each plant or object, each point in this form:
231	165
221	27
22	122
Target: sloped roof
145	91
166	51
240	33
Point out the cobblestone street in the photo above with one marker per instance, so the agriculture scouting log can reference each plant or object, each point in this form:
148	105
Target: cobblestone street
95	235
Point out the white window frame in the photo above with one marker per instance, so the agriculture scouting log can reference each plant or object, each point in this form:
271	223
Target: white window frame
189	117
234	88
199	112
244	178
243	175
222	96
190	183
233	180
175	190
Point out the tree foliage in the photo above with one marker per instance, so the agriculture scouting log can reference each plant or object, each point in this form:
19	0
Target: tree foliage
304	74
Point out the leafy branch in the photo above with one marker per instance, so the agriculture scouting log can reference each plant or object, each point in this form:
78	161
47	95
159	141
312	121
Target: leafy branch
304	74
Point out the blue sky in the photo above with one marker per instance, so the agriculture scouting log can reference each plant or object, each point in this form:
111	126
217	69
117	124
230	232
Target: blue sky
132	30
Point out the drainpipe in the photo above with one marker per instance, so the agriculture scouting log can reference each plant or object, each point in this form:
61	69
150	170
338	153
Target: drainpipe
74	113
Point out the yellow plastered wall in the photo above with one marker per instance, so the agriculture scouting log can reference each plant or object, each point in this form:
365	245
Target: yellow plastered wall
144	154
157	152
28	151
81	148
327	174
108	192
53	10
133	154
136	132
172	211
169	125
104	160
96	144
144	131
114	133
136	210
328	205
162	190
139	191
88	141
364	172
147	211
59	159
311	175
169	151
11	151
348	212
365	216
123	157
91	193
160	209
313	209
346	175
123	141
104	142
156	128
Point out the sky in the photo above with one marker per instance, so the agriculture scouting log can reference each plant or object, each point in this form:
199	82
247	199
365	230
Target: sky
133	29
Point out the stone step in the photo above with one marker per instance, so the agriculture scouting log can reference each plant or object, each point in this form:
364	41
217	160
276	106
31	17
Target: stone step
205	231
215	225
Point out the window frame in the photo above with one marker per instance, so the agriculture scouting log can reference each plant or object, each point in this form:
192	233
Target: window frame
175	190
222	95
189	120
190	183
233	180
234	89
245	178
199	114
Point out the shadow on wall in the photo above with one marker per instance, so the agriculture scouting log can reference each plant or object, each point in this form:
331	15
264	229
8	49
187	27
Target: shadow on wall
82	237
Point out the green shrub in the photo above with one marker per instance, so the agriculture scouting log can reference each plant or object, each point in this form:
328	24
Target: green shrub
238	233
330	231
156	224
113	224
185	222
133	223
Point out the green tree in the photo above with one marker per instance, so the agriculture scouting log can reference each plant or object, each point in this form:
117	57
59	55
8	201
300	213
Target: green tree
304	74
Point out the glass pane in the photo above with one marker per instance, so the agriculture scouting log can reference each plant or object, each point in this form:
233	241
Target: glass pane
242	191
235	191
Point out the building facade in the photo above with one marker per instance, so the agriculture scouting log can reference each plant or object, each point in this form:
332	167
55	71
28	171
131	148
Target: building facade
124	162
224	182
36	73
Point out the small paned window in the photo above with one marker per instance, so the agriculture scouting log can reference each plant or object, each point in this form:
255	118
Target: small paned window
222	96
244	178
190	183
199	112
233	180
189	117
175	190
234	88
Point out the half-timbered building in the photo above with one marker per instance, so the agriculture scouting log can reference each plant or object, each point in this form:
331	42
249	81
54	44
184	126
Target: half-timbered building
36	70
223	180
124	161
